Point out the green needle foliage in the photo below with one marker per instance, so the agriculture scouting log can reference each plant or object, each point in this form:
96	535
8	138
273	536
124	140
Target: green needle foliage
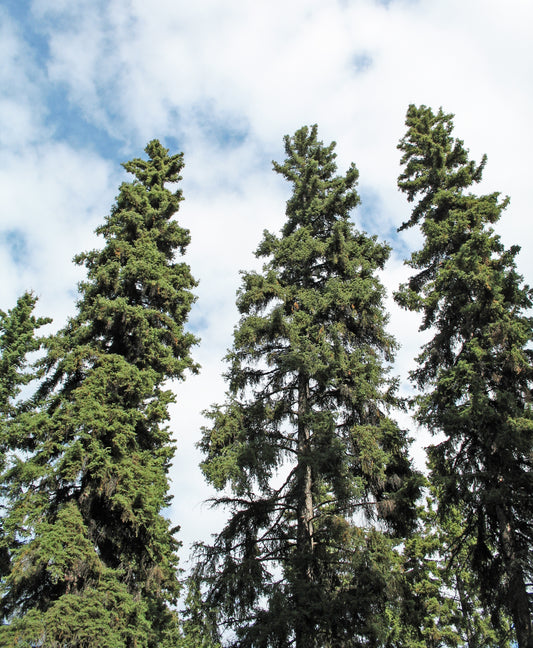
315	471
476	371
199	625
440	606
17	342
96	562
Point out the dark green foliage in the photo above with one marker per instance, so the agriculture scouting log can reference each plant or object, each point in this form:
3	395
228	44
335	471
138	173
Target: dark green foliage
17	342
440	605
96	564
198	624
477	369
303	445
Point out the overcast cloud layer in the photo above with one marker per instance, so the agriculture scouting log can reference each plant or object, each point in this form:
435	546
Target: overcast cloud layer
84	85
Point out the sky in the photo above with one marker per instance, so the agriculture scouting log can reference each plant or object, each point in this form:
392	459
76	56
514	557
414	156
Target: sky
85	84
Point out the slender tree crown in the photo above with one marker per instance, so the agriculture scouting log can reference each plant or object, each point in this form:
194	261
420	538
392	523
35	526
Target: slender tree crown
17	341
137	298
477	369
303	444
95	562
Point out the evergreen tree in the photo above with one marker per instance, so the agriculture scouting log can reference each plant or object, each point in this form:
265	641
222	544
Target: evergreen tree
477	369
199	625
17	341
303	444
97	564
441	607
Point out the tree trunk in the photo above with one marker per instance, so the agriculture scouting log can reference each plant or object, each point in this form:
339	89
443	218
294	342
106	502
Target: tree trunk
517	593
304	540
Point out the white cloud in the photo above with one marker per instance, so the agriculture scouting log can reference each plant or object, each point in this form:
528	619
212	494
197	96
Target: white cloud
192	72
20	111
48	195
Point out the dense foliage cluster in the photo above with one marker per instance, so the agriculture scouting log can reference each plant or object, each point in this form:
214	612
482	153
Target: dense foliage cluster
304	440
332	539
89	558
476	371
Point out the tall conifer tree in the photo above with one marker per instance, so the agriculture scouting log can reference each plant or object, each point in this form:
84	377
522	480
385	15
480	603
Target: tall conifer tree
304	442
97	561
476	371
17	341
441	607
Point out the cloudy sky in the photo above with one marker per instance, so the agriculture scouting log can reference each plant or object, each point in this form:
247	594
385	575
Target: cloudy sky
85	84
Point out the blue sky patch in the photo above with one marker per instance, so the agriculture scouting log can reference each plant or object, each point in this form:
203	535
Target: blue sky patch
65	119
70	125
198	320
362	62
17	244
369	214
20	12
225	131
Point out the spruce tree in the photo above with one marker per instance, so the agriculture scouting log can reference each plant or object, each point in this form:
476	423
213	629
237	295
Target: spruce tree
316	475
475	374
198	624
97	561
441	607
18	341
